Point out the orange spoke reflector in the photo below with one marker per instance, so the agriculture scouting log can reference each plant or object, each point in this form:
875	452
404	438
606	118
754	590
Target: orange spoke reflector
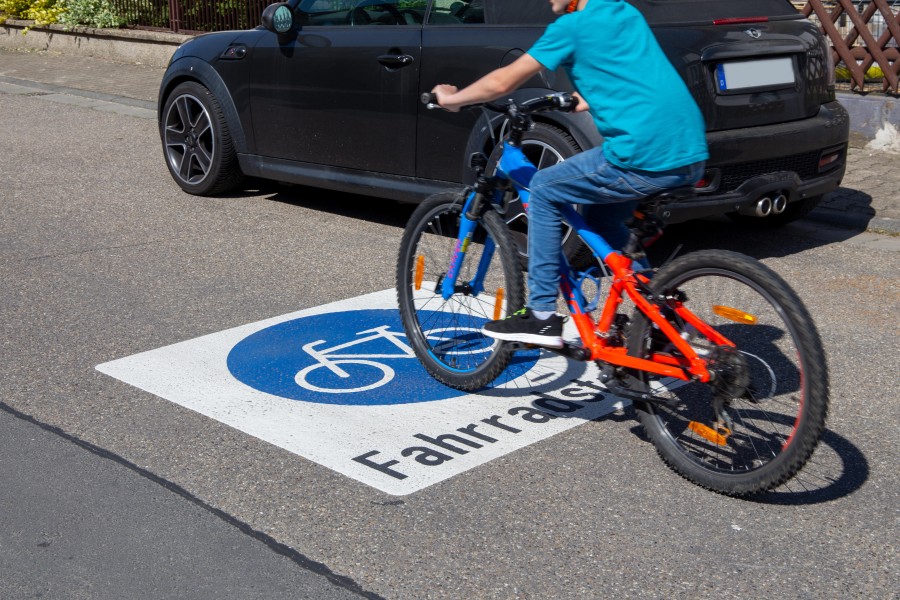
498	304
734	314
420	271
708	433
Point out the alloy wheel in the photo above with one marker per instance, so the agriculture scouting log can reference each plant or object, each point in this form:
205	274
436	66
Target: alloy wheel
189	139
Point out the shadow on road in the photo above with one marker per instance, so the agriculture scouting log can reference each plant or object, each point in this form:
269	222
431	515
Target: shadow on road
353	206
836	469
757	241
847	207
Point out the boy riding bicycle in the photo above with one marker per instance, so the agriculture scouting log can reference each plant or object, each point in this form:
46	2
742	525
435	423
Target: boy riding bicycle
654	139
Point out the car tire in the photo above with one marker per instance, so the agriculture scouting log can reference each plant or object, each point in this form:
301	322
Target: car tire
197	142
545	146
793	211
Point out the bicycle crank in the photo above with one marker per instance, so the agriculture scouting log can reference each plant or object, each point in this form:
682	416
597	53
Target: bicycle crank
625	385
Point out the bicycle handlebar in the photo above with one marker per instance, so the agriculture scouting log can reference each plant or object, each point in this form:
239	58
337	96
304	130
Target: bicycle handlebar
429	100
561	101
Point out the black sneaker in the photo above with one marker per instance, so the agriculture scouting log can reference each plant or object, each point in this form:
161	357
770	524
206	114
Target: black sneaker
523	326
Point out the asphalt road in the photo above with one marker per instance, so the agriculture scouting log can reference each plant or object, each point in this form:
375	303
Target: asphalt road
103	257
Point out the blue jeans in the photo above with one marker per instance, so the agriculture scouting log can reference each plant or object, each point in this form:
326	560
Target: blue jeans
610	195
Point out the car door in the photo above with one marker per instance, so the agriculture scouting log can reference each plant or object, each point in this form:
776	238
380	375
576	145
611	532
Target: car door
462	41
342	89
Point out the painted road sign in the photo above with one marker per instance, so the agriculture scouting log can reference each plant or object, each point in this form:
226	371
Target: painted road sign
339	385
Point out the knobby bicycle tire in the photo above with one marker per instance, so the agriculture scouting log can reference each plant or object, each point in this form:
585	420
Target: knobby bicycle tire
446	334
774	388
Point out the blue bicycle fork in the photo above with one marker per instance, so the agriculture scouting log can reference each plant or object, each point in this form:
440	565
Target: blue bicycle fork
467	228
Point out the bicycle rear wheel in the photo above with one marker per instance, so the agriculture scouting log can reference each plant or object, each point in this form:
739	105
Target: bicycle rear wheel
446	334
772	389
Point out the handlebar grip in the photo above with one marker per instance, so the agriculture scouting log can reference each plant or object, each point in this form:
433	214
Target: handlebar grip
566	102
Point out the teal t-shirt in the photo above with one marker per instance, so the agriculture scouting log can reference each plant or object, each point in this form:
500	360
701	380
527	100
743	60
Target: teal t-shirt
641	106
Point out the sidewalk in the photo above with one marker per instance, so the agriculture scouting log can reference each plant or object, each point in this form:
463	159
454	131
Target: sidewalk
869	197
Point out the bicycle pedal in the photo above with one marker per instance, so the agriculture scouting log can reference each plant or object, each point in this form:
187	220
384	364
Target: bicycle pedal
635	395
718	436
574	351
569	349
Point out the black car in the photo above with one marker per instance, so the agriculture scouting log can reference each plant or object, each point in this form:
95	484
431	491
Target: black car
326	93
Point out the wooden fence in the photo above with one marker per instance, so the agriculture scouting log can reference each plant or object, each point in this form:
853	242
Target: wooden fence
864	36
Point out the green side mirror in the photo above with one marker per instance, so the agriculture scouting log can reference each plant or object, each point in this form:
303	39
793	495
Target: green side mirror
278	18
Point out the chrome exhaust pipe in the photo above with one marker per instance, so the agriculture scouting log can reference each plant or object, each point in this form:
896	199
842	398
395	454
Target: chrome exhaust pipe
764	207
779	204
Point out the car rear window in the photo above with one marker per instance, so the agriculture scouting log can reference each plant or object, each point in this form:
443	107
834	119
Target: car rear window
680	11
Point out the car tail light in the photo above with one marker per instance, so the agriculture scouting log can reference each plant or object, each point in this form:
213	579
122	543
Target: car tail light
740	20
830	159
709	182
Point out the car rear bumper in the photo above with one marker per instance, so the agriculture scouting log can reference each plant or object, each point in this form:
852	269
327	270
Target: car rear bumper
749	164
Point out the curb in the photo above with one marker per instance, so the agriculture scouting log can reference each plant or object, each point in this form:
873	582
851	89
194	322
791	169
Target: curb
153	48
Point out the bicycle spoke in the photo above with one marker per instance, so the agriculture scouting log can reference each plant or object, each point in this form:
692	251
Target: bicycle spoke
776	359
447	331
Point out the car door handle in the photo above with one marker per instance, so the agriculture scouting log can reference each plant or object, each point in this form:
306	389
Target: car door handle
396	61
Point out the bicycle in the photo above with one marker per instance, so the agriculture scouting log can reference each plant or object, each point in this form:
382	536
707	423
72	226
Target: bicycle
719	356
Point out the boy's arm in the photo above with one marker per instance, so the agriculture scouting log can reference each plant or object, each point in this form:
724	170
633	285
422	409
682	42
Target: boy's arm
495	84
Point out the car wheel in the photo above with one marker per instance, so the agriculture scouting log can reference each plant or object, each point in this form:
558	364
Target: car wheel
545	146
792	212
197	143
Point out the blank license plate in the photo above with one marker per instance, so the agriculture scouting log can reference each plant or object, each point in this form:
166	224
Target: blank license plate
747	74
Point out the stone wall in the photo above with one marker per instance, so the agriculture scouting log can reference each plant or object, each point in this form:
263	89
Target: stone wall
126	45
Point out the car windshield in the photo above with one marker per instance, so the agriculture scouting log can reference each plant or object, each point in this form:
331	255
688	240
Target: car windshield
681	11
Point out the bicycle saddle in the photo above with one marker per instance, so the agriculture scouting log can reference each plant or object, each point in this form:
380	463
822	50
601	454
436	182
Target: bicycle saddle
650	217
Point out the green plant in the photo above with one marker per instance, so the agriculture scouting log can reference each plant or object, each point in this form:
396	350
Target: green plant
93	13
45	12
42	12
874	73
13	8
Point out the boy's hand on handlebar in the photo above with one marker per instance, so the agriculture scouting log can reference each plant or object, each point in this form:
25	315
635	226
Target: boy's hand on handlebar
582	104
443	92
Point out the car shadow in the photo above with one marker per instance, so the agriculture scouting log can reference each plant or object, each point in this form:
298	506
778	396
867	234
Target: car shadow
354	206
846	207
827	225
756	241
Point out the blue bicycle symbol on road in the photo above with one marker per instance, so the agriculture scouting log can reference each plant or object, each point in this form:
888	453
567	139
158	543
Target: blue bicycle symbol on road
338	364
340	358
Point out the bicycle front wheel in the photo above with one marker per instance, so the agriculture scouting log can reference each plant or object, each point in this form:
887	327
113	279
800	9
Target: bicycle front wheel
445	333
757	422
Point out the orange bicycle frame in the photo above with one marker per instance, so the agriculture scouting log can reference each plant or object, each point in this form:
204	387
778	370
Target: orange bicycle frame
627	283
